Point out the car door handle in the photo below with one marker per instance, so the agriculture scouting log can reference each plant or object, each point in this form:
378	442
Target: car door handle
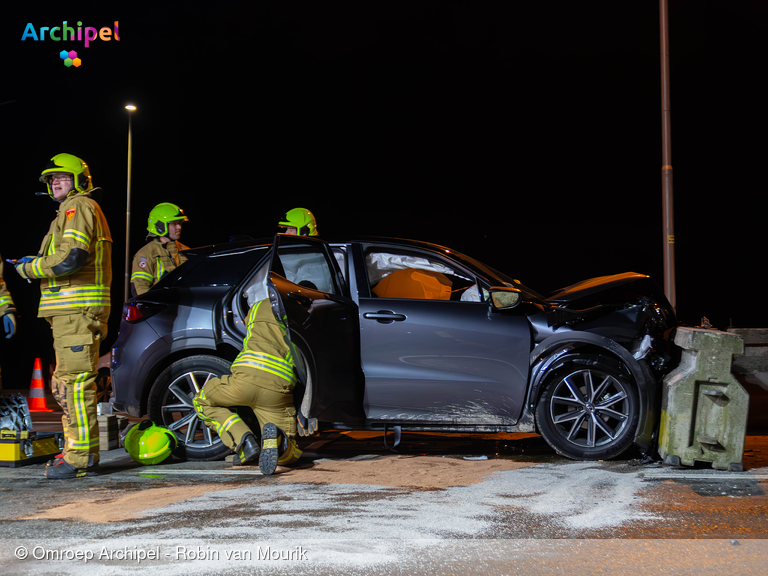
384	316
303	300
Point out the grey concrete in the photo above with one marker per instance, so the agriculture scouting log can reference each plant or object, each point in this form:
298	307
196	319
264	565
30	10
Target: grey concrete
554	517
753	365
704	408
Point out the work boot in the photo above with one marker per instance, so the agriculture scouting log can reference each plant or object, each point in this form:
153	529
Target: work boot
55	460
63	471
247	451
271	449
59	458
269	455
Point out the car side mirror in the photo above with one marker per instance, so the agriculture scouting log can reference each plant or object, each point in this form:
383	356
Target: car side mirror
504	298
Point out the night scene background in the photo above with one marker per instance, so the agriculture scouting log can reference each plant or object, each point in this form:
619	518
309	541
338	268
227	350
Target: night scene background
527	135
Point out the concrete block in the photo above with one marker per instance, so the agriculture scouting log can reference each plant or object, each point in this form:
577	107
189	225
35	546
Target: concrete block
704	408
753	366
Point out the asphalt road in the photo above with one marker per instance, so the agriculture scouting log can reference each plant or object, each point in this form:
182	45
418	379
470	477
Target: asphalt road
354	507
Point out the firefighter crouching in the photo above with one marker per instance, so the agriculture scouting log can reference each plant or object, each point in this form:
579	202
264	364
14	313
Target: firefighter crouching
74	264
161	253
263	377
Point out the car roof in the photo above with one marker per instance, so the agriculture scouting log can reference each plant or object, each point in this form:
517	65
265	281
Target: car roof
256	243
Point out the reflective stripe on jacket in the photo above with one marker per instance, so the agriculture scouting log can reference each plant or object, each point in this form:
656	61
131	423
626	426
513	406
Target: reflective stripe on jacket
6	303
265	350
153	260
79	224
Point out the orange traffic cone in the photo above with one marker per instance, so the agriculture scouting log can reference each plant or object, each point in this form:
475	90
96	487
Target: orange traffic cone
37	390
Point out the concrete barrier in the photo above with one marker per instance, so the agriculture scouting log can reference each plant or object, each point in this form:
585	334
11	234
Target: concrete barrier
753	365
704	408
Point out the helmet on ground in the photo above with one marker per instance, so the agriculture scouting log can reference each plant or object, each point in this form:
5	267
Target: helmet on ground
161	215
301	219
149	444
68	164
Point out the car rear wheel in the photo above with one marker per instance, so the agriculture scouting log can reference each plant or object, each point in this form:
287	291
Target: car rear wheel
588	411
103	385
170	404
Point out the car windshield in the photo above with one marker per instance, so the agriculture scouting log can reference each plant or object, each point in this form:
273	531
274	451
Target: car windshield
493	274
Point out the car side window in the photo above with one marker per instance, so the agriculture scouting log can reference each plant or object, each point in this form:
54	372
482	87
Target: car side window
340	254
416	276
307	266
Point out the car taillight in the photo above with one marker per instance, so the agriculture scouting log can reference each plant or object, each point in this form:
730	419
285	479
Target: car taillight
138	311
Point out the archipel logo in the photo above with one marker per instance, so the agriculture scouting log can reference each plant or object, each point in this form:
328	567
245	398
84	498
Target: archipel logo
67	33
70	58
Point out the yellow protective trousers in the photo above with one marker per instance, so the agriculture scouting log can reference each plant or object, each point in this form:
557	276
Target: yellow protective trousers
268	404
76	339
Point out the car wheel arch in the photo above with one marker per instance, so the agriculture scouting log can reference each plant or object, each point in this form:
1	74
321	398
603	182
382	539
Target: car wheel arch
223	351
551	352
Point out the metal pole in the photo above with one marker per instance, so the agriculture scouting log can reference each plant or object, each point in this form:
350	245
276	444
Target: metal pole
128	214
666	168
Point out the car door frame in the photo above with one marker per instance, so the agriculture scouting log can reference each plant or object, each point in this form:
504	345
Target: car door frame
336	382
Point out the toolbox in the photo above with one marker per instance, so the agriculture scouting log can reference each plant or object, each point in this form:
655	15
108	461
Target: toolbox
21	448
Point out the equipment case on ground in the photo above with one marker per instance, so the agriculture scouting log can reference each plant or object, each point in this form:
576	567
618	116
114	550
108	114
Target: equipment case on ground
28	447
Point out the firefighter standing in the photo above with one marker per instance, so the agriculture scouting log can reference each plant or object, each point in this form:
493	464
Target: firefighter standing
299	222
161	253
7	311
263	378
74	263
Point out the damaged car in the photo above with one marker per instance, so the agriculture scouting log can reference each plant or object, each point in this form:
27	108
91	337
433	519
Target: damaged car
400	335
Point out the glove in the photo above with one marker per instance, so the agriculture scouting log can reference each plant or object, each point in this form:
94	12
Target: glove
19	265
9	325
306	426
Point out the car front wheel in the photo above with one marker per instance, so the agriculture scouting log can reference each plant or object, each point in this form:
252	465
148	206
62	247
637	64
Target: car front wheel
170	404
588	411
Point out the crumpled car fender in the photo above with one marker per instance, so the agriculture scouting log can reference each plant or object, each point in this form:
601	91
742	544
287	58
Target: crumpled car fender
551	350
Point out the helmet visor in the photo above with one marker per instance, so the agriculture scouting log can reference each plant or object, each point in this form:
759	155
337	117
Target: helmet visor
52	177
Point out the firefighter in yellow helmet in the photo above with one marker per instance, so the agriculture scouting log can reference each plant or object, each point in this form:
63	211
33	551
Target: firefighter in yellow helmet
74	264
7	311
262	376
299	222
160	254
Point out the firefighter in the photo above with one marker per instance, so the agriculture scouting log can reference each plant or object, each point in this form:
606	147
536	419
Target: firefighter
74	264
263	377
7	311
299	222
161	252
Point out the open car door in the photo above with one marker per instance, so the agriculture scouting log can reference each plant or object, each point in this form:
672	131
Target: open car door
309	290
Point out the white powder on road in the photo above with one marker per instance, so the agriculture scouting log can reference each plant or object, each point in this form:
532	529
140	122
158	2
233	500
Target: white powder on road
580	495
355	528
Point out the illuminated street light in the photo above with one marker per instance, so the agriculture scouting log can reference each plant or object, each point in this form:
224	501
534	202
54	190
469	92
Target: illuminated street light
131	108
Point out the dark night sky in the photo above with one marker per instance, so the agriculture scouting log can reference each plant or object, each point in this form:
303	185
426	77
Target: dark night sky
526	136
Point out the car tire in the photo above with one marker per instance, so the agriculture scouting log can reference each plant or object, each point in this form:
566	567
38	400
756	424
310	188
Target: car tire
103	385
588	410
170	404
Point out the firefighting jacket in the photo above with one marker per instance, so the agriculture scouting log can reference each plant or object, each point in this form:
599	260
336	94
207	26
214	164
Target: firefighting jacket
6	304
74	261
153	261
266	357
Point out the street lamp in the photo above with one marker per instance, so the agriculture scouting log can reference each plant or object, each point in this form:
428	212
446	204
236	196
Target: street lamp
131	108
668	218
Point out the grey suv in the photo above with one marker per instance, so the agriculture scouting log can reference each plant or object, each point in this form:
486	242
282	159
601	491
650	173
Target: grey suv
405	335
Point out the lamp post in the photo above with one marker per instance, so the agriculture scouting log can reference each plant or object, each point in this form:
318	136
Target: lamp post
131	108
666	169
